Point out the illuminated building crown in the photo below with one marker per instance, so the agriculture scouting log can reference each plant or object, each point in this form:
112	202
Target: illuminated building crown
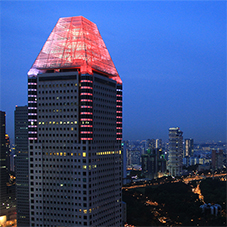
75	43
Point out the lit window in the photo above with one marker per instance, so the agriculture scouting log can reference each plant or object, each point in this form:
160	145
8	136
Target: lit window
84	154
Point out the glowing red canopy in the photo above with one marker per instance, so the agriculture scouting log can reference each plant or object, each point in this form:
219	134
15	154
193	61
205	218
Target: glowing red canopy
75	42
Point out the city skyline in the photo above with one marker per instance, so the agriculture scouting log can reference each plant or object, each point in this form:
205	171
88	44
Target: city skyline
170	55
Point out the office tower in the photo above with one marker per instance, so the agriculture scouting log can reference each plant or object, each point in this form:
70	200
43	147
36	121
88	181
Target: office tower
7	153
150	144
124	161
75	130
150	163
3	171
21	163
188	148
158	143
217	159
175	152
188	151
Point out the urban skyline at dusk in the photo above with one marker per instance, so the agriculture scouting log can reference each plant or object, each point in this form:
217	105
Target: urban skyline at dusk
171	57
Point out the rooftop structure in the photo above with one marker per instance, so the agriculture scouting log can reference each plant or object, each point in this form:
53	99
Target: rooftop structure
75	42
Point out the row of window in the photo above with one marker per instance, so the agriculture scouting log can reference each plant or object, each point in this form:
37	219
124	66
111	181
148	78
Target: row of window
57	98
57	85
60	91
105	89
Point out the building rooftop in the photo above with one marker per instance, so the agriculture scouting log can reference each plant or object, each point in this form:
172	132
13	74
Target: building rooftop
75	42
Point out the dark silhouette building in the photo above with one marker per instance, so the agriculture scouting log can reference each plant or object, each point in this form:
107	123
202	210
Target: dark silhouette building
21	163
3	169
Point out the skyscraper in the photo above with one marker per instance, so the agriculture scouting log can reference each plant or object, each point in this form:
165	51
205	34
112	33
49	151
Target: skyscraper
188	148
22	168
3	171
75	129
158	143
175	152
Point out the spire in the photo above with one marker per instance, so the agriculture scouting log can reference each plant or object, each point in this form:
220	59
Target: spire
75	42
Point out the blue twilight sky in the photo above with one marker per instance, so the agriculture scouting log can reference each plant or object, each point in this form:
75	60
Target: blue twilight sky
171	56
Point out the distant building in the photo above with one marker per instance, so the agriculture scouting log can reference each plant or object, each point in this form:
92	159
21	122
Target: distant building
175	152
150	144
158	143
22	168
188	148
3	170
124	161
161	166
7	153
217	159
188	151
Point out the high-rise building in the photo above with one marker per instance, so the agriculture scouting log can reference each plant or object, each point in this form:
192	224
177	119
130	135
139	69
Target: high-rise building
188	148
175	152
7	153
150	144
75	130
217	159
21	163
150	163
188	151
158	143
3	170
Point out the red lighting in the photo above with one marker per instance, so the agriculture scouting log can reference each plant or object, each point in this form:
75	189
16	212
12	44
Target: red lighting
86	94
86	100
85	87
75	42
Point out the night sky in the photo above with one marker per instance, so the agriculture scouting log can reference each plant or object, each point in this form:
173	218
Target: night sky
171	56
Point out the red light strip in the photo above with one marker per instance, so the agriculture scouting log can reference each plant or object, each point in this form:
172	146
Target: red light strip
90	81
85	87
86	100
85	113
85	132
86	119
86	139
86	94
86	126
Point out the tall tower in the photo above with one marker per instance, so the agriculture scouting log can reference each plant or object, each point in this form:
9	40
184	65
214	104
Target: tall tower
75	129
21	163
188	148
3	170
175	152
